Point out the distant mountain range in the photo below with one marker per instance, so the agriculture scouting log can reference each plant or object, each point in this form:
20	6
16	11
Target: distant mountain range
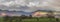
16	13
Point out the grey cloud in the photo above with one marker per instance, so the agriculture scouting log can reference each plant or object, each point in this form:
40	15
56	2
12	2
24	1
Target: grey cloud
3	7
29	5
6	0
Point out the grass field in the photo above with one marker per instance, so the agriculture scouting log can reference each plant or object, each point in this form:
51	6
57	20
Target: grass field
33	20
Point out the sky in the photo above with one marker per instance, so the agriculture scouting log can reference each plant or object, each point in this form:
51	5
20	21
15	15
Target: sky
30	5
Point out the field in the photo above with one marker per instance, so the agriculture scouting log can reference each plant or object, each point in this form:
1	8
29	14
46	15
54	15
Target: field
33	20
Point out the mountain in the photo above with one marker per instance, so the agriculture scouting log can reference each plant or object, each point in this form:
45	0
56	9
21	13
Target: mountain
17	13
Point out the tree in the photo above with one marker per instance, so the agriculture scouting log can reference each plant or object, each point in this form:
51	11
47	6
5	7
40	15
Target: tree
30	16
50	15
23	16
6	18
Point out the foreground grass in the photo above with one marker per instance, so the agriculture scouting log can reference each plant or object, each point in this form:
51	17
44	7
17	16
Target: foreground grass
34	20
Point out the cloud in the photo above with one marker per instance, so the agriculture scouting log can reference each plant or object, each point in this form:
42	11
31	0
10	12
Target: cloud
30	5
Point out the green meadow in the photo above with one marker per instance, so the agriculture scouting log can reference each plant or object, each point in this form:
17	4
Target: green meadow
32	20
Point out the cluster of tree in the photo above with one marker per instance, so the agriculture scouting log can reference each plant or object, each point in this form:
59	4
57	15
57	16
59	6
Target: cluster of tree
17	18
